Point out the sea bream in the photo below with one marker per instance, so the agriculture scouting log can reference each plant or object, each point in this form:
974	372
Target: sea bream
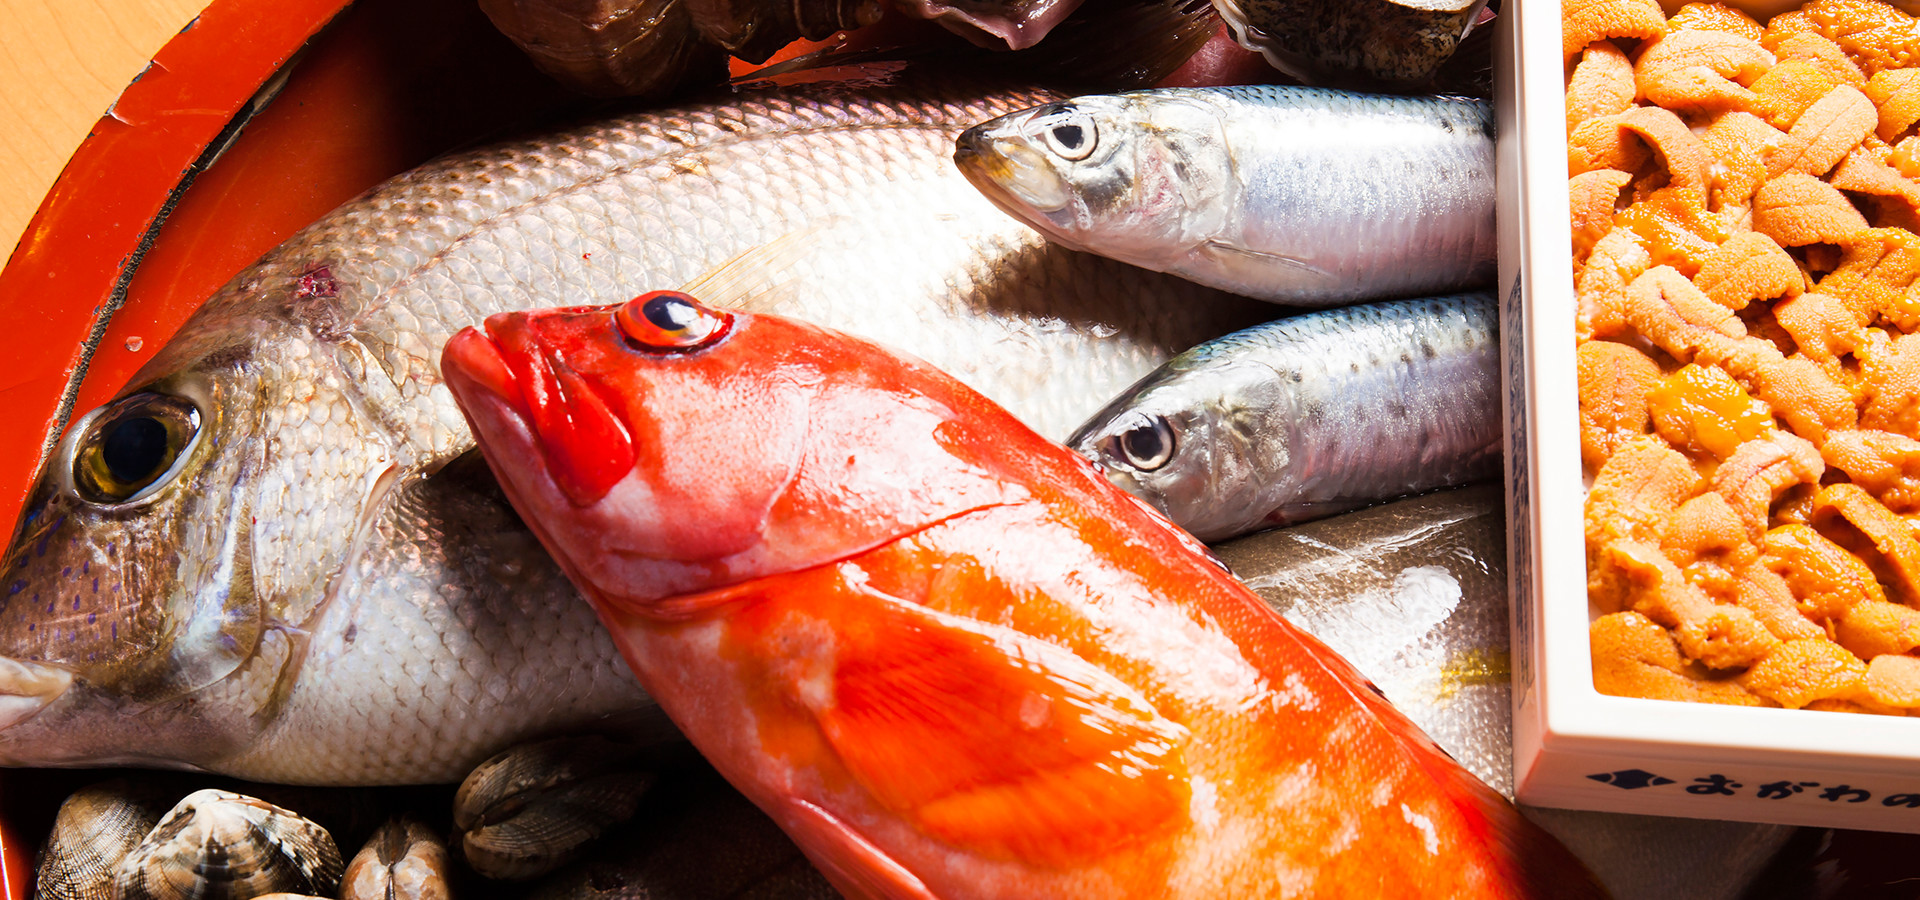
1308	416
269	557
1301	196
944	655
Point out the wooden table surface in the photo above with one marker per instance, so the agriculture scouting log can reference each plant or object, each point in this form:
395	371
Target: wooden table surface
62	63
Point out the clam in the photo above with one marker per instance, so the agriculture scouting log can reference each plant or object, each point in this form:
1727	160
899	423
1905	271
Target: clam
610	48
534	807
404	860
217	844
1353	43
700	840
94	830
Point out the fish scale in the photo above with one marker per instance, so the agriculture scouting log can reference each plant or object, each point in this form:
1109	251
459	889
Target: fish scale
1302	196
423	628
1306	416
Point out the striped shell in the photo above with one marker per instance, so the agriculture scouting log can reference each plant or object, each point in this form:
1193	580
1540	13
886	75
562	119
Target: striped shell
94	830
216	844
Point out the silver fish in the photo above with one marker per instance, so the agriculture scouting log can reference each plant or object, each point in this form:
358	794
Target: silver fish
271	558
1414	594
1308	416
1301	196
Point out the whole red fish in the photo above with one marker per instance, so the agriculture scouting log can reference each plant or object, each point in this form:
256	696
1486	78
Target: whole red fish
946	655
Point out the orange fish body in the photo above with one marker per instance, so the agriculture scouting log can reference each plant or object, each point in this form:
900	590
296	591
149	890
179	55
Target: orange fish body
942	652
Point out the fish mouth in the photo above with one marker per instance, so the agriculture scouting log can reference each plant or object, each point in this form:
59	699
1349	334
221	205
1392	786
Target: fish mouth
472	360
26	688
1011	173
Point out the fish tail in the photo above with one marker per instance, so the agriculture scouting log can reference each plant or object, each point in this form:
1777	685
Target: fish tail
1530	863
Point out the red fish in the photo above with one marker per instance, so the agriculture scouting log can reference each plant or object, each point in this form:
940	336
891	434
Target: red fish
943	653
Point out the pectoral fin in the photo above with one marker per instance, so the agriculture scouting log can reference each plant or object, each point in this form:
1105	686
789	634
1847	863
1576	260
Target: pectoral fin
852	863
1233	258
993	740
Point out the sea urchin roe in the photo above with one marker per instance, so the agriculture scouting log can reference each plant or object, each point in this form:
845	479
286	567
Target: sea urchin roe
1749	392
1702	410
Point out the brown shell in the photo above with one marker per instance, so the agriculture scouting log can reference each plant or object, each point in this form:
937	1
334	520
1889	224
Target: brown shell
611	48
699	838
533	808
404	860
1352	43
220	844
94	830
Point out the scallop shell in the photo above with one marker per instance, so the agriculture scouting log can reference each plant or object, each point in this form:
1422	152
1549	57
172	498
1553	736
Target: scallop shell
96	827
536	806
217	844
404	860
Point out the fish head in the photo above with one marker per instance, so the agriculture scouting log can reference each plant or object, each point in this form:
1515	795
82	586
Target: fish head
662	447
1190	439
1138	176
140	598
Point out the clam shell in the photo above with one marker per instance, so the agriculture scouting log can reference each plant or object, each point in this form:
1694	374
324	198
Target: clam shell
218	844
530	809
96	827
611	48
404	860
1352	43
700	840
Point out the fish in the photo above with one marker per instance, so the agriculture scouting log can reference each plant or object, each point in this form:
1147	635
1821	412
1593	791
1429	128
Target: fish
273	556
1414	594
946	657
1300	196
1310	415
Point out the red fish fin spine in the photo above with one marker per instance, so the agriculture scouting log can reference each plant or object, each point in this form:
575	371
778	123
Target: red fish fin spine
1529	859
852	863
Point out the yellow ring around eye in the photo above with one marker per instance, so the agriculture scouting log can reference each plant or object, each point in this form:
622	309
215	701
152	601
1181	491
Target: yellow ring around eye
130	446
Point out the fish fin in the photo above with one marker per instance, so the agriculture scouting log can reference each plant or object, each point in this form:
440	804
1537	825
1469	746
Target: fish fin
754	278
991	739
1233	254
850	862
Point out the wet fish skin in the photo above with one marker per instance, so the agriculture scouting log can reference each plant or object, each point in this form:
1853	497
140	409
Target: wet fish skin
1414	594
315	593
1307	416
943	656
1301	196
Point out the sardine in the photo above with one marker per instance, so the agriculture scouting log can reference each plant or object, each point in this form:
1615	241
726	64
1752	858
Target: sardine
948	660
1308	416
267	558
1301	196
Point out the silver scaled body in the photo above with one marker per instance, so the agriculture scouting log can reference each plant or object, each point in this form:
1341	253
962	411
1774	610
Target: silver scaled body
1308	416
320	589
1300	196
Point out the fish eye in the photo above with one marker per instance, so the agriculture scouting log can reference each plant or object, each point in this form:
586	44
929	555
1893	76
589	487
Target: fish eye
669	321
1069	133
1148	444
131	445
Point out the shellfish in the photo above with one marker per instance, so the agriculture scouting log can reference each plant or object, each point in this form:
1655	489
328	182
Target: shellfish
220	844
533	808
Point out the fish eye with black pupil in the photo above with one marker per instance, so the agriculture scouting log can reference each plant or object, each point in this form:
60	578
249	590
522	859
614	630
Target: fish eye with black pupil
1069	133
1147	445
669	321
131	446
